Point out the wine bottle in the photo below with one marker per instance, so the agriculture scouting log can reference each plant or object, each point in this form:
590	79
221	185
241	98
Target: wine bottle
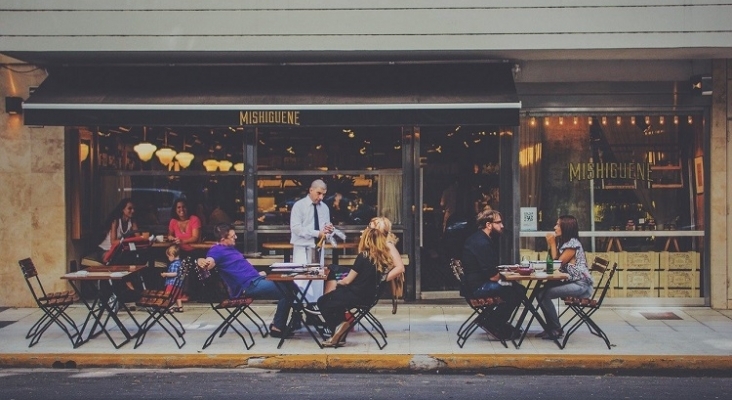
549	263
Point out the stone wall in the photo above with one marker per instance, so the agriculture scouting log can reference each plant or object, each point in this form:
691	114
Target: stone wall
32	203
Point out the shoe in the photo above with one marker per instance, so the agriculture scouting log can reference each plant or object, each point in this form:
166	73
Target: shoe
338	333
510	332
541	334
312	309
278	334
554	334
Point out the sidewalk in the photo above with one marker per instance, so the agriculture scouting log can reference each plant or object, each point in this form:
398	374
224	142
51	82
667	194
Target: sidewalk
420	338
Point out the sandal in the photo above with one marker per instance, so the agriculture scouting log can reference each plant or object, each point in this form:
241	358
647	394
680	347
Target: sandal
175	310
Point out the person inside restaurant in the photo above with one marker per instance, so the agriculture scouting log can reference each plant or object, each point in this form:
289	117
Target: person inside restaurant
480	261
183	228
120	224
564	245
242	279
375	263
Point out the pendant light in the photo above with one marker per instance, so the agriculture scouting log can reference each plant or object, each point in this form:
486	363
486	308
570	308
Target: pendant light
144	149
184	158
166	154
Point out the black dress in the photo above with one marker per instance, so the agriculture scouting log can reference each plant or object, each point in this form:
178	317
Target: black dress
361	291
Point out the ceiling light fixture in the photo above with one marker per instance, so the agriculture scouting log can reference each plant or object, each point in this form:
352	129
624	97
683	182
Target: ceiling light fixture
144	149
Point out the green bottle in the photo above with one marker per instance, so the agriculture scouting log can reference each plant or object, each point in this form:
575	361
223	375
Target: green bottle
549	263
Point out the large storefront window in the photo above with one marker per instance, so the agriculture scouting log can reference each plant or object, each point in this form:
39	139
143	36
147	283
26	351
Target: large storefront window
362	167
635	184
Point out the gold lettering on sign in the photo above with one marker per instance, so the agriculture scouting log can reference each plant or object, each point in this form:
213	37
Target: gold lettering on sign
632	171
269	117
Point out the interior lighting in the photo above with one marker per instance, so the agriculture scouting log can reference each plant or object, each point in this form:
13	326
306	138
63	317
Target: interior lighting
166	154
211	165
83	151
561	120
632	120
618	120
661	120
184	158
604	120
225	165
676	119
690	120
575	120
239	167
144	149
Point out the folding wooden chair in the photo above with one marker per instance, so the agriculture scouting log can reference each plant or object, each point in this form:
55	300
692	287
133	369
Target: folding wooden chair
53	305
363	313
583	309
229	309
482	307
158	305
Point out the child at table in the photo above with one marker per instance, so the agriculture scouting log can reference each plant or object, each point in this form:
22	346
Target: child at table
171	284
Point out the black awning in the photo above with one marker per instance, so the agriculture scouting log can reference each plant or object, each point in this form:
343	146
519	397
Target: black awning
306	95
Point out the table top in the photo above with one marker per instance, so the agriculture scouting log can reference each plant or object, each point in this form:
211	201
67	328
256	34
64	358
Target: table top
202	246
515	276
287	245
104	272
280	277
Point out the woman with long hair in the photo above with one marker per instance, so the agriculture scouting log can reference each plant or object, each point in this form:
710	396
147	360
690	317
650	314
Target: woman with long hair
564	245
120	224
183	228
374	264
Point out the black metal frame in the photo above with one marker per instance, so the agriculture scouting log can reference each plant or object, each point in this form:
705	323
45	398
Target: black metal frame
584	308
158	306
52	304
482	307
233	308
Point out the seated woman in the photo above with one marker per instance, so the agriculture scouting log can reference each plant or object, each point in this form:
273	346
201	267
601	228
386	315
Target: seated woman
120	223
374	264
183	228
564	246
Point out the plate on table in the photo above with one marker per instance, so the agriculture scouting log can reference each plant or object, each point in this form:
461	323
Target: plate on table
541	275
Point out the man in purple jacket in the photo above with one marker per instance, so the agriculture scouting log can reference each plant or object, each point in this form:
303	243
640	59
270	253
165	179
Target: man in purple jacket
242	279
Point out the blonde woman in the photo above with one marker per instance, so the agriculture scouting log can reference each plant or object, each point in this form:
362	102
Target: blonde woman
374	264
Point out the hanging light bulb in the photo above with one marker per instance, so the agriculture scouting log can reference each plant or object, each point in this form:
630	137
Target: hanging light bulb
83	151
618	120
184	158
144	149
604	120
690	120
225	165
239	167
211	165
166	154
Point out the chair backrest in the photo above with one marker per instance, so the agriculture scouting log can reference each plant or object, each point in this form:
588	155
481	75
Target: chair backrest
457	270
30	274
185	268
214	287
600	266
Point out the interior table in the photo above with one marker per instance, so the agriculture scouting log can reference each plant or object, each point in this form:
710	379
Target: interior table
287	249
299	301
528	301
100	309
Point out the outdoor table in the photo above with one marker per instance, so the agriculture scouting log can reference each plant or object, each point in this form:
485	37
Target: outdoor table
287	248
528	301
100	311
299	301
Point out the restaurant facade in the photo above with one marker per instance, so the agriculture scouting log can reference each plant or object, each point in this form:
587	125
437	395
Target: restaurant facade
634	147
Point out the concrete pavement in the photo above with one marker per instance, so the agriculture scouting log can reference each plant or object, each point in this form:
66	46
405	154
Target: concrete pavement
421	337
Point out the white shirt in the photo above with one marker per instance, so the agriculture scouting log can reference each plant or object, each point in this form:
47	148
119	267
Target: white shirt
302	222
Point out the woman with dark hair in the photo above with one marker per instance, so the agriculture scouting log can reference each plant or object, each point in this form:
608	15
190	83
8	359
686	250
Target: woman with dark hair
183	228
564	245
119	224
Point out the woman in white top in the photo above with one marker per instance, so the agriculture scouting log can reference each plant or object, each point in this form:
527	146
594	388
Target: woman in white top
564	245
120	223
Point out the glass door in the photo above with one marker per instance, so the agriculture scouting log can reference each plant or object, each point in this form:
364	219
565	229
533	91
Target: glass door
459	175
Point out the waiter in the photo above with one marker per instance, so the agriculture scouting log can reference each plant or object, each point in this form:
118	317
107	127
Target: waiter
310	222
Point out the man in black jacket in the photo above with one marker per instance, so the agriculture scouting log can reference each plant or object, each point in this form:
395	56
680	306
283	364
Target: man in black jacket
480	262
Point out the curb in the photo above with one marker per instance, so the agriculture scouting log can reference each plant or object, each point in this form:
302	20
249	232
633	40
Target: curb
387	362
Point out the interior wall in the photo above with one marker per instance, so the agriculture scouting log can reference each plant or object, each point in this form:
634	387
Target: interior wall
32	205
